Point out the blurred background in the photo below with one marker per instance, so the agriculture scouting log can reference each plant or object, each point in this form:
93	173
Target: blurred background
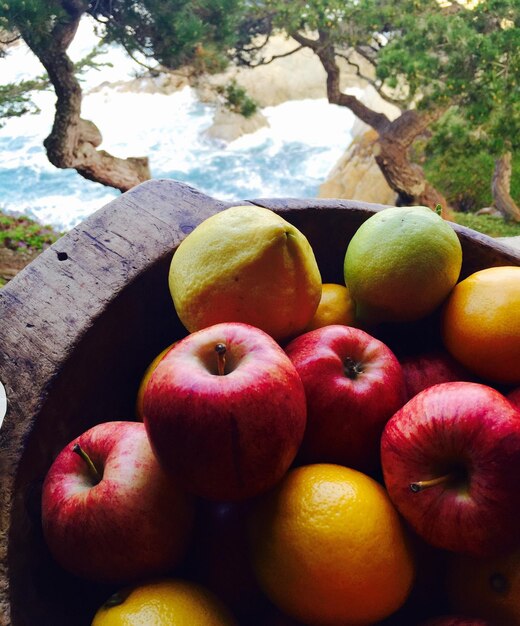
415	102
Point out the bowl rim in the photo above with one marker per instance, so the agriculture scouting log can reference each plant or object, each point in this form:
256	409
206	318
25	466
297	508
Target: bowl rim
106	241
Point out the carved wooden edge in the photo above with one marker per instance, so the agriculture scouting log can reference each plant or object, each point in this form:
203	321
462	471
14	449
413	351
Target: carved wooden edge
479	250
47	308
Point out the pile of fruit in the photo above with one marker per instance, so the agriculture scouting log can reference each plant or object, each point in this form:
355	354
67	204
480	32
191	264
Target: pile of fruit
291	464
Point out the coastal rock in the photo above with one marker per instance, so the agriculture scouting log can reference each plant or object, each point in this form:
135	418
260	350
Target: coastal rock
489	210
295	77
164	83
356	176
514	242
228	126
286	76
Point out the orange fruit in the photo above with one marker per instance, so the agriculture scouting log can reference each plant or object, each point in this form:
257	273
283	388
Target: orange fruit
486	588
329	548
165	602
481	324
144	381
335	307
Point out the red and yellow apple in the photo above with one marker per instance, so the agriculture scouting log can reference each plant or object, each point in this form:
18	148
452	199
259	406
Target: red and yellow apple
353	385
225	412
109	511
451	462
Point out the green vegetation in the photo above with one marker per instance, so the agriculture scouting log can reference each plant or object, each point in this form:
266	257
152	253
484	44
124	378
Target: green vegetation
22	233
237	100
428	58
488	225
21	239
457	165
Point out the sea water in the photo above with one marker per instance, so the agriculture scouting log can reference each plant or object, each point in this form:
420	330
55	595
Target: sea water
289	158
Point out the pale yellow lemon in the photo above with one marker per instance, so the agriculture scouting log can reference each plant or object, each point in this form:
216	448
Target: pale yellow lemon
246	264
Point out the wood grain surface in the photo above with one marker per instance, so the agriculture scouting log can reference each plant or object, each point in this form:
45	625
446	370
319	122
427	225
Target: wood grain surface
79	325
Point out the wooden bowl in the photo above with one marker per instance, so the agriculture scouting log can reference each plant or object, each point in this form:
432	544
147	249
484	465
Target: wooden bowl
78	327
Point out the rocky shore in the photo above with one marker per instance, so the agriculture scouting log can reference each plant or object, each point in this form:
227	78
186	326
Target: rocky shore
295	77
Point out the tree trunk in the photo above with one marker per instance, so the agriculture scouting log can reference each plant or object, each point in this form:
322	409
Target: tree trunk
405	177
73	141
395	137
501	188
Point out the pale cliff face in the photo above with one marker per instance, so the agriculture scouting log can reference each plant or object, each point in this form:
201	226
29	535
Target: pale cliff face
356	176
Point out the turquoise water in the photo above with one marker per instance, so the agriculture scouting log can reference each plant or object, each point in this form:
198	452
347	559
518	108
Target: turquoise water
291	157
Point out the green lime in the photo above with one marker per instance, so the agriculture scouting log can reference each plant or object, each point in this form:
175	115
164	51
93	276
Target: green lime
401	264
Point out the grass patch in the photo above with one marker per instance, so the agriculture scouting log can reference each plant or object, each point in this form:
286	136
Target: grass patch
488	224
22	233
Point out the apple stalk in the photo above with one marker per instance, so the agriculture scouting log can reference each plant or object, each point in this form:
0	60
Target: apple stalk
91	467
426	484
352	368
220	349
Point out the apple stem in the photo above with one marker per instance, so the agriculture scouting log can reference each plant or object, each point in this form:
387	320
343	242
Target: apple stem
352	368
220	349
92	468
426	484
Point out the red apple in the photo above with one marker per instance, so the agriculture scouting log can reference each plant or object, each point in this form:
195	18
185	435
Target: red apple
451	462
353	385
431	368
514	397
225	412
109	512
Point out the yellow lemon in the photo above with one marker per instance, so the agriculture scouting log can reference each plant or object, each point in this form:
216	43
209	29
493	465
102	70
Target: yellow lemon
401	264
246	264
165	602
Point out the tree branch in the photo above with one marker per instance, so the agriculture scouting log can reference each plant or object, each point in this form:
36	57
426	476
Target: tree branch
274	57
72	141
327	56
370	81
313	44
391	149
501	188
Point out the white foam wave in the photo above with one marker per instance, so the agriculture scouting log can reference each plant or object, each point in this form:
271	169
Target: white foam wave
291	157
65	212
